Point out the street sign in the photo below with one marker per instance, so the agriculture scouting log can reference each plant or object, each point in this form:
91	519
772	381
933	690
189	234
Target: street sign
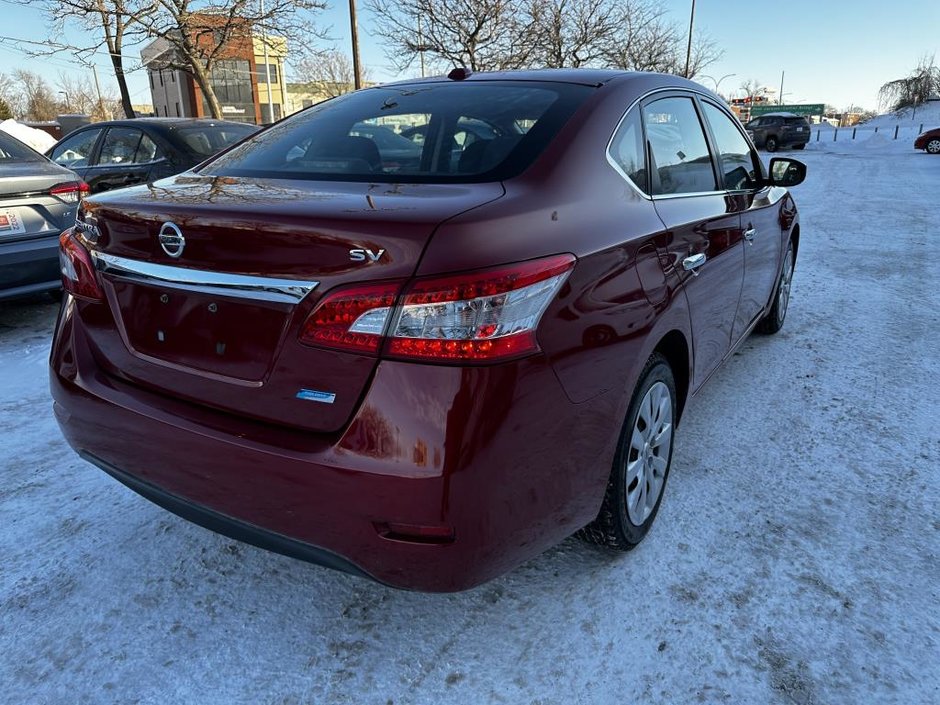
805	109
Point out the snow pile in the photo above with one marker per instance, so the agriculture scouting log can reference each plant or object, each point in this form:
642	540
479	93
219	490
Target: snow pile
878	134
37	139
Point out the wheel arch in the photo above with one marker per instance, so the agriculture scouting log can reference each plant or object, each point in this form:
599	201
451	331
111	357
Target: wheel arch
675	348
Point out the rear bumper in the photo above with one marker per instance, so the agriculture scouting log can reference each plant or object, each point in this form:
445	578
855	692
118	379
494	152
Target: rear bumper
921	141
790	138
497	458
29	266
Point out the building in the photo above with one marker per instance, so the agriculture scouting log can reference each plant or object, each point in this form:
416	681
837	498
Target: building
303	95
238	77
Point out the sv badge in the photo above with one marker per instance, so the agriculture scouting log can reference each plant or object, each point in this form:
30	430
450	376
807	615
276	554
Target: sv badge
363	255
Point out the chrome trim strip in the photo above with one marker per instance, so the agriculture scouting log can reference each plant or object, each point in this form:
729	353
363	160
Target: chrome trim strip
244	286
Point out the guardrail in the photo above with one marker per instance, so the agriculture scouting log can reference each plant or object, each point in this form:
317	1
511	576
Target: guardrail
893	132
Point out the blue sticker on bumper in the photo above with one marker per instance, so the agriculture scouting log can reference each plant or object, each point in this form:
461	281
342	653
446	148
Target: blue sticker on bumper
314	395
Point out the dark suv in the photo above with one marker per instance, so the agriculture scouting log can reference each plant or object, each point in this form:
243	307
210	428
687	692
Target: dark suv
779	130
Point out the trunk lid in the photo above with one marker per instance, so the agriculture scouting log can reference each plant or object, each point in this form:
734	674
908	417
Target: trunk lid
218	323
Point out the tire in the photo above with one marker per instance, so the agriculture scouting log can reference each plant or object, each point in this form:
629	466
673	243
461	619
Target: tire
771	144
775	317
626	515
933	146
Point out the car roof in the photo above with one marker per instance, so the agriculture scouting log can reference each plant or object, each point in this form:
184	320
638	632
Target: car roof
164	123
587	77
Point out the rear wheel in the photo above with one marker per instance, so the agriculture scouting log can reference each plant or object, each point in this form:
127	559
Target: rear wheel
771	144
933	146
773	321
641	465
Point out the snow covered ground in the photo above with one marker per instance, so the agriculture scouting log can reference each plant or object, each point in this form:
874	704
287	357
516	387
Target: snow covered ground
878	132
796	559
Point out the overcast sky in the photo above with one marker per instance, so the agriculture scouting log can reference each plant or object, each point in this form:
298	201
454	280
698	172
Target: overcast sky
832	52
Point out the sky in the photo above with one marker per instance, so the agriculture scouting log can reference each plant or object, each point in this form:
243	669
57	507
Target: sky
829	52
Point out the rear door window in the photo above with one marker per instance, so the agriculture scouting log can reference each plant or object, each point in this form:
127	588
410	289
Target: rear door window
679	158
429	133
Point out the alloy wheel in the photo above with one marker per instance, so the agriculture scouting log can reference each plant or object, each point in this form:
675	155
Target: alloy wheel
933	146
786	276
649	453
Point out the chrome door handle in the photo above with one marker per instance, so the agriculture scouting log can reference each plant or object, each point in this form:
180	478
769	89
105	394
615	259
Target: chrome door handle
693	262
749	235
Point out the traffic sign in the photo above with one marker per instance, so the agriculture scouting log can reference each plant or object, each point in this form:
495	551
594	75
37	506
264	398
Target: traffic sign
804	109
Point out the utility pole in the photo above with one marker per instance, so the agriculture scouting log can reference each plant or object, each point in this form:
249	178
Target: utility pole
688	51
780	95
354	32
421	43
94	70
267	67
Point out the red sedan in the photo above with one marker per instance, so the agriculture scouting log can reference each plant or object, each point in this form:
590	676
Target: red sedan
929	141
426	370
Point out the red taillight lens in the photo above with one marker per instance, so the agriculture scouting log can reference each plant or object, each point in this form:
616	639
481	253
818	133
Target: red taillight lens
477	317
71	191
351	319
481	316
78	272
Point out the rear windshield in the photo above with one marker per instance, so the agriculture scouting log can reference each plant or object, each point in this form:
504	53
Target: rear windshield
424	133
12	150
795	121
204	141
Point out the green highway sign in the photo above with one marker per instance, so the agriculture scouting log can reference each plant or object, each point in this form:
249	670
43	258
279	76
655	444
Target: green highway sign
805	109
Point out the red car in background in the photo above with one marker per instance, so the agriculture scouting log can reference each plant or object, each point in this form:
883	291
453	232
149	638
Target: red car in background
426	371
929	141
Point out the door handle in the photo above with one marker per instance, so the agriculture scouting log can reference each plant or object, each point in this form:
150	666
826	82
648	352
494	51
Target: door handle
749	235
693	262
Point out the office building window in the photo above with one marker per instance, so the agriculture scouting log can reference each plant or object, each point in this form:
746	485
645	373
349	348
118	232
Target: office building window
263	76
177	110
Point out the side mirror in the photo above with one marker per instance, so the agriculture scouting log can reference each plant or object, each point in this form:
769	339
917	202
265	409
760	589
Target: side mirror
786	172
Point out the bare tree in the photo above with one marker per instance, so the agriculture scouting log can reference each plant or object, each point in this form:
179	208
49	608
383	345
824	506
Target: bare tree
751	87
82	97
328	73
913	90
482	35
573	33
501	34
197	34
110	25
36	101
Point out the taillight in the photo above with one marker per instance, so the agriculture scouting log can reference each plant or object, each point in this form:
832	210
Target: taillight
351	319
476	317
71	191
78	272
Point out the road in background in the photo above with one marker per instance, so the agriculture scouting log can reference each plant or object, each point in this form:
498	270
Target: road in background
795	558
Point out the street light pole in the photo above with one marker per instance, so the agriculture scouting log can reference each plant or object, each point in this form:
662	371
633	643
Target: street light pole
780	95
688	51
718	82
354	33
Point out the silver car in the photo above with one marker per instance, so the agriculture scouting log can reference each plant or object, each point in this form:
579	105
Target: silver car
37	202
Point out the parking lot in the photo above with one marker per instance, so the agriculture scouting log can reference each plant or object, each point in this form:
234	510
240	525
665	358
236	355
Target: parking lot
796	558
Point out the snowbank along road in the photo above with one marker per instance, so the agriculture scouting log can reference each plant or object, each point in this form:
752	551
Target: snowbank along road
795	559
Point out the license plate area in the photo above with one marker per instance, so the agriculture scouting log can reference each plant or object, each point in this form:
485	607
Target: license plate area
11	222
234	337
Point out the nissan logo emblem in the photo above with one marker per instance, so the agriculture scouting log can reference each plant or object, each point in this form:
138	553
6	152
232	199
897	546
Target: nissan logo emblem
171	240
